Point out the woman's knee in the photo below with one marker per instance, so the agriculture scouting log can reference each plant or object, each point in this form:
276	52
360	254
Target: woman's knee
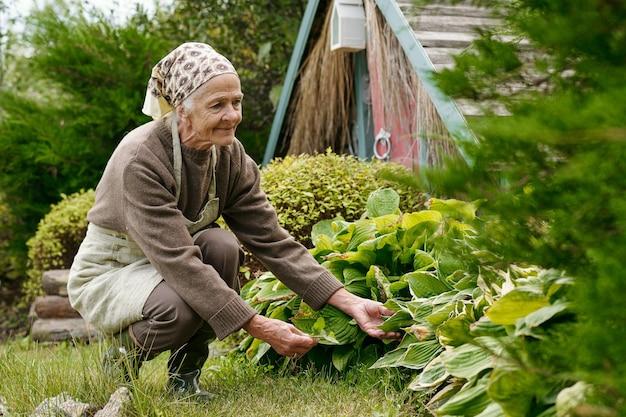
169	321
220	249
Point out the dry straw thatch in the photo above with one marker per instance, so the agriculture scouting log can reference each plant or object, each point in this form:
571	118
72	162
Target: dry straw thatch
404	98
322	109
323	100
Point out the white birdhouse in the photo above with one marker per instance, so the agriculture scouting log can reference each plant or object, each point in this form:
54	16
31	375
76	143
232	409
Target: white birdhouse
347	26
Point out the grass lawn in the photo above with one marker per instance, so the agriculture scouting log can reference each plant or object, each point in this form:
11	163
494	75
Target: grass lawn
29	373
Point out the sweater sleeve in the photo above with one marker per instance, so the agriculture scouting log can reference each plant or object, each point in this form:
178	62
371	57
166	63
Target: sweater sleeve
253	220
155	223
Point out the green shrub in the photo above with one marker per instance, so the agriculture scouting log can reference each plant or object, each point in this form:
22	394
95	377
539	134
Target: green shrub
58	237
306	189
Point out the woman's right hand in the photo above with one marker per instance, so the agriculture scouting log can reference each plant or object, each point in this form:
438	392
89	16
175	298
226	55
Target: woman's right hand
283	337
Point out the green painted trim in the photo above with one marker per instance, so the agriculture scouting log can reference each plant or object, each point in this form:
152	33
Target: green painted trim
360	69
446	108
290	78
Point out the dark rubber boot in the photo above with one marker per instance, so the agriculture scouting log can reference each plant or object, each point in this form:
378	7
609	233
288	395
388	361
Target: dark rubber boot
185	364
123	359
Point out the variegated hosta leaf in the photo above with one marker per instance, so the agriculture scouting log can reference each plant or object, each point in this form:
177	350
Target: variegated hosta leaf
321	229
469	401
433	375
419	354
423	261
389	241
424	284
515	305
414	356
492	410
257	350
362	257
485	327
363	230
570	398
526	326
382	202
387	223
399	320
454	331
467	361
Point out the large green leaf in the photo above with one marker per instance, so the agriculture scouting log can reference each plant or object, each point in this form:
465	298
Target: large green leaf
424	284
515	305
341	356
397	321
362	257
526	325
461	210
391	359
363	230
423	261
454	331
322	228
410	220
382	202
434	373
469	401
467	361
419	354
257	350
387	223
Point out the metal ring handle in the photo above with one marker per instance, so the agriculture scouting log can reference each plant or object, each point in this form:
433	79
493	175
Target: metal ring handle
383	137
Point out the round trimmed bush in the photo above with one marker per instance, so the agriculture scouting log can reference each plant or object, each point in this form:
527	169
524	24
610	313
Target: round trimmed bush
58	236
305	189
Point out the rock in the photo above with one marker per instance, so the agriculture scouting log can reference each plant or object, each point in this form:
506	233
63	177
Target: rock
119	399
63	406
54	282
54	306
55	330
4	408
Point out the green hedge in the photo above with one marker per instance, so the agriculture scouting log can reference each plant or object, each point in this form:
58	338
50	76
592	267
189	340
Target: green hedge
58	237
306	189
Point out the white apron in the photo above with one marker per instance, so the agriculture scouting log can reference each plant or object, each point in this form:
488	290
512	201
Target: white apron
111	278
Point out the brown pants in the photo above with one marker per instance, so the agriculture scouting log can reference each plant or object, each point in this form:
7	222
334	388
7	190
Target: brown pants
170	324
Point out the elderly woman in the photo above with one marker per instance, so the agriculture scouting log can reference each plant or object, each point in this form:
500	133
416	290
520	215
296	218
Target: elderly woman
154	268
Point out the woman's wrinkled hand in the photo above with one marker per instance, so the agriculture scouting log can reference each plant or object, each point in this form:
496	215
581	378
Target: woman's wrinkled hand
368	314
284	338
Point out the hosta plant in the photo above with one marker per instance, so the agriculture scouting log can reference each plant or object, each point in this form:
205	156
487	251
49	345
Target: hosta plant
475	331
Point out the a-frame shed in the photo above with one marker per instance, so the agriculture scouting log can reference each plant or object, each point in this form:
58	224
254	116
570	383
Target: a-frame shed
392	106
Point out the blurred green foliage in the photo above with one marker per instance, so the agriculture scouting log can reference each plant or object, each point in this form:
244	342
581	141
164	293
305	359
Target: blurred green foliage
306	189
552	174
73	95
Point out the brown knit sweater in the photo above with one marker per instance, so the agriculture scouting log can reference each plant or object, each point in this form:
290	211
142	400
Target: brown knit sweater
137	196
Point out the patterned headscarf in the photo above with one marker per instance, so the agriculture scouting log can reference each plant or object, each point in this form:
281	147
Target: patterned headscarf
180	73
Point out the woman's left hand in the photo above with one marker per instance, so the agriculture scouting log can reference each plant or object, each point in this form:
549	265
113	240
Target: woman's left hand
368	314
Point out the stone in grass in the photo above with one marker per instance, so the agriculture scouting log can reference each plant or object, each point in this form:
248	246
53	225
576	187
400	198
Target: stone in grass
114	408
63	406
4	408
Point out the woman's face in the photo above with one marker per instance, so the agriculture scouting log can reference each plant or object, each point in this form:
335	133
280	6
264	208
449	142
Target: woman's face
215	114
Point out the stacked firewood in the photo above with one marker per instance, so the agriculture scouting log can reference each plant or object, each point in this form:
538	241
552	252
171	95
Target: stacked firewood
54	318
